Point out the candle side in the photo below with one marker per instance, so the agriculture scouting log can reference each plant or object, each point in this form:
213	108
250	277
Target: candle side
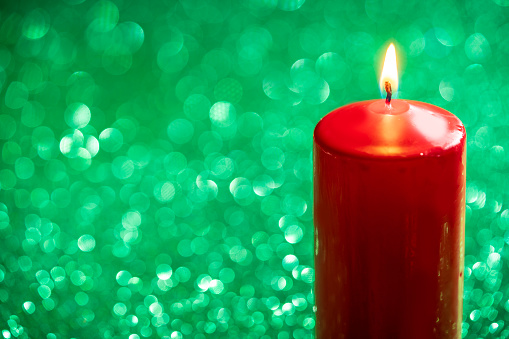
389	207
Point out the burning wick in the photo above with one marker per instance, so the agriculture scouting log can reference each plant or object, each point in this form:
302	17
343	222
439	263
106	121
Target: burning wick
388	89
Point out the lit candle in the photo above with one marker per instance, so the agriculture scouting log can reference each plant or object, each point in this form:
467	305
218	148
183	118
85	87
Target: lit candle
389	206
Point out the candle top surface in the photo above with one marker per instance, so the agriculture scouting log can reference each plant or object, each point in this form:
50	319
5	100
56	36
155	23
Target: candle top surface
407	129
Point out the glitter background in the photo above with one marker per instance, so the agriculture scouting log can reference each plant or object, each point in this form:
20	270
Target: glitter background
155	171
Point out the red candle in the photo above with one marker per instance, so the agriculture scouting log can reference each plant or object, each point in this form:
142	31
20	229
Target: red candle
389	190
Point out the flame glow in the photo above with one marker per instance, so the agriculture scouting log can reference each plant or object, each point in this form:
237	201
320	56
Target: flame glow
390	71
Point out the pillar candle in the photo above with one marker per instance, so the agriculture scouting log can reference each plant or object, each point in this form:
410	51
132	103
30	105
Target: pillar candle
389	206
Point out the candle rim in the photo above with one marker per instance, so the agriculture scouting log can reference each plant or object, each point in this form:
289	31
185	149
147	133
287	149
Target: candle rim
419	150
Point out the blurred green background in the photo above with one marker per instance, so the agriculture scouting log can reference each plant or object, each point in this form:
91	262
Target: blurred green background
156	172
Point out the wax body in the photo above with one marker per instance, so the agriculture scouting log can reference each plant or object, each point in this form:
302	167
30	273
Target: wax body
389	222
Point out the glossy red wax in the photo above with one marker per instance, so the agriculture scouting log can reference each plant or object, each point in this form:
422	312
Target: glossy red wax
389	205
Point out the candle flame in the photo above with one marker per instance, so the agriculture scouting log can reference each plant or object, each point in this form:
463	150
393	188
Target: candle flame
389	71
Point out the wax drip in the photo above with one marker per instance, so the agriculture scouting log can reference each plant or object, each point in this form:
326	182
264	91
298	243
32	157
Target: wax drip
388	89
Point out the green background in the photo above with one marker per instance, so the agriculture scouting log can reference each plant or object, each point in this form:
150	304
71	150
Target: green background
156	172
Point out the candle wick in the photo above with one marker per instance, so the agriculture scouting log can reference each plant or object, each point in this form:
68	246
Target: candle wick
388	90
